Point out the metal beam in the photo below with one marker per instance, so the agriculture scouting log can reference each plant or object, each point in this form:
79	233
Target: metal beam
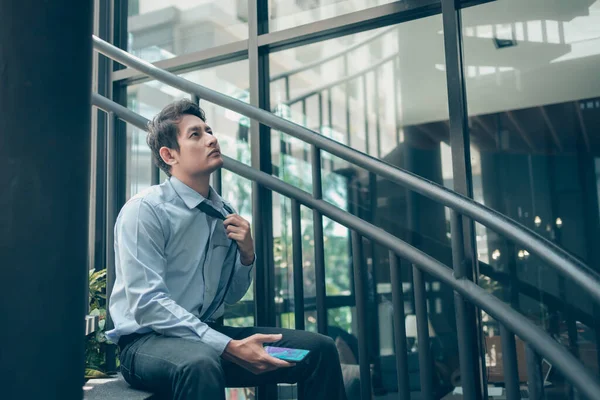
262	209
355	22
551	128
360	288
464	247
319	247
194	61
111	211
101	85
262	198
520	130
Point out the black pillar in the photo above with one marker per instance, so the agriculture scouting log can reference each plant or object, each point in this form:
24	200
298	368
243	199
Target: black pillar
45	70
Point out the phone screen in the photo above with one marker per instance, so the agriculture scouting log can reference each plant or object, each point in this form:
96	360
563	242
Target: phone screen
283	353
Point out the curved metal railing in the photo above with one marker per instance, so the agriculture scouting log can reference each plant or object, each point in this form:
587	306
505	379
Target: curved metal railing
342	53
543	344
561	260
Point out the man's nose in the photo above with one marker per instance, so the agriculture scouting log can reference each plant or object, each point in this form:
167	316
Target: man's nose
212	141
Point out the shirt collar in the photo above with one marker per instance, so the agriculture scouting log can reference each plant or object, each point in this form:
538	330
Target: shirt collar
191	198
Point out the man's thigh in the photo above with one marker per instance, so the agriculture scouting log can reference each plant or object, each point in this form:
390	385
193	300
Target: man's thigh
236	376
152	362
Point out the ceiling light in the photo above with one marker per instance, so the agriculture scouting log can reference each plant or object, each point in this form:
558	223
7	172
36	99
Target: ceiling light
496	254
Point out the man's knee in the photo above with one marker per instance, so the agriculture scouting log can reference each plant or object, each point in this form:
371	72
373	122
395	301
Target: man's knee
322	344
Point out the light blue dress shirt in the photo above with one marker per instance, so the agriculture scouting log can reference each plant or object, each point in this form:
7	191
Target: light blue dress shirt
175	266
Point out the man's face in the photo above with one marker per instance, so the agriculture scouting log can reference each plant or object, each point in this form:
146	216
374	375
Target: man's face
199	151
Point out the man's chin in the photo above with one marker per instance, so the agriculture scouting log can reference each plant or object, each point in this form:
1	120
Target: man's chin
216	163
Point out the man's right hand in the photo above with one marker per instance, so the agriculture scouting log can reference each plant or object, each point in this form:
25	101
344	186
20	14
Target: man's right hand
249	353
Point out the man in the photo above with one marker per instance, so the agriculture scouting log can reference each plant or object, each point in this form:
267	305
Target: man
181	252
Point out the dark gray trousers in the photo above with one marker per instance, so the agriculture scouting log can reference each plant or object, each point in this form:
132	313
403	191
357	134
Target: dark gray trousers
182	369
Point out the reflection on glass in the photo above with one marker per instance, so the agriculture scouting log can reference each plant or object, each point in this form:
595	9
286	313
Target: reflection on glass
534	107
160	29
381	94
284	14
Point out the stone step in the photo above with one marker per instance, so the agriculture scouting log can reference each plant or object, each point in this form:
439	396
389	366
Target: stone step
112	388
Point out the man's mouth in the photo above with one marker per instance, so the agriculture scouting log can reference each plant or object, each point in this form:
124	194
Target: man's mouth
215	152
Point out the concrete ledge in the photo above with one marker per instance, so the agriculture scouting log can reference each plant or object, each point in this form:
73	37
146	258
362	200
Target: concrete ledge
113	388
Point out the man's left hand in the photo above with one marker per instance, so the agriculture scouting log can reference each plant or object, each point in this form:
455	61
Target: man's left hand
238	229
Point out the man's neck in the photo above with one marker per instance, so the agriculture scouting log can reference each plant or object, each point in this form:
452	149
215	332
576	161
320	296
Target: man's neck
200	184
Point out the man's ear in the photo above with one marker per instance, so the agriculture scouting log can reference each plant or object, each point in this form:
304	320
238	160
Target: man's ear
167	155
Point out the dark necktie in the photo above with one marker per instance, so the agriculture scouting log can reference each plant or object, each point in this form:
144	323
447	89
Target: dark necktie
210	211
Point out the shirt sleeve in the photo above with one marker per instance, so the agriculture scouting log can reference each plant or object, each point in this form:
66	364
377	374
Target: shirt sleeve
140	255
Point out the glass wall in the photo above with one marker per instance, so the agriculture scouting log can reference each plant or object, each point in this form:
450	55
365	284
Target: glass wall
534	111
160	29
148	98
379	93
285	14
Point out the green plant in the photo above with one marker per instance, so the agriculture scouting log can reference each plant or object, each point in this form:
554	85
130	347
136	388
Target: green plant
96	343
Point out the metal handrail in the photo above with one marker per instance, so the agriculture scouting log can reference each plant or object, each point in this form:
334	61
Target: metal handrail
556	354
323	60
558	258
340	81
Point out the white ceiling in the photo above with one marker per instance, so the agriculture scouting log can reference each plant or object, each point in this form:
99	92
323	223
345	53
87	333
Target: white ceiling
556	59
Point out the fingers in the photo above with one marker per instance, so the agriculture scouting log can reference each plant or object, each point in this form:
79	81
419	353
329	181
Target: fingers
262	338
234	229
237	229
276	362
236	236
236	220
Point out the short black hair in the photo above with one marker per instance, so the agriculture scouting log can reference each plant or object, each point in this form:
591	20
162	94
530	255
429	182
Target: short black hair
162	130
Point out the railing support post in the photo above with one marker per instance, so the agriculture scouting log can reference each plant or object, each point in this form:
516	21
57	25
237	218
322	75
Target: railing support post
463	234
509	362
425	360
111	218
360	289
535	382
399	328
321	290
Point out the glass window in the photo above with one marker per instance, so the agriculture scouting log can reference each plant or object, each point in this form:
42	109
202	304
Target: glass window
285	14
534	113
163	29
148	98
381	94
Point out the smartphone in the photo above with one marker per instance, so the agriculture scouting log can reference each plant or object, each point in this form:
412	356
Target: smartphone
285	354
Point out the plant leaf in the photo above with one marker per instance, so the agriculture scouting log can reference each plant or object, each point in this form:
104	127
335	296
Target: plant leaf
95	374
